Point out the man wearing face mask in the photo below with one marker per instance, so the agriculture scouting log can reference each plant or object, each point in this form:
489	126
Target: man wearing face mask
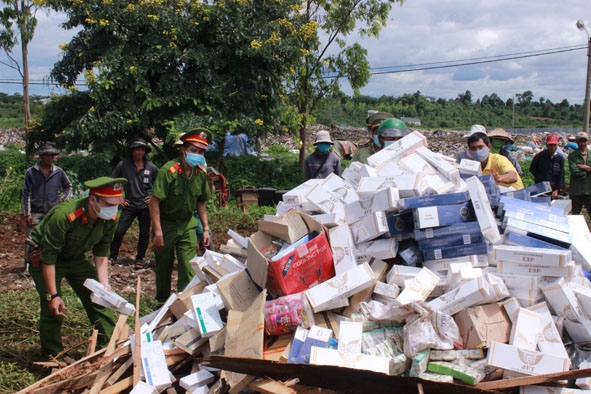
64	237
180	187
391	130
479	149
500	142
373	121
322	162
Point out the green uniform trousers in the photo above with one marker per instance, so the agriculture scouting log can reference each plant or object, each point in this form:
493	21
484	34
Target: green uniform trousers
50	326
183	238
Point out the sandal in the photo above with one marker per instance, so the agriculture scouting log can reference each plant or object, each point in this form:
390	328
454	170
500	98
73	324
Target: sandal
139	265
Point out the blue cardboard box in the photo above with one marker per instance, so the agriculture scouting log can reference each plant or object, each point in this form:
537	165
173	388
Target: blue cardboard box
451	240
400	223
455	251
443	215
457	228
437	199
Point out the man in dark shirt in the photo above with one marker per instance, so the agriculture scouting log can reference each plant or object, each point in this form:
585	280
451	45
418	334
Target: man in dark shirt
548	166
45	185
140	174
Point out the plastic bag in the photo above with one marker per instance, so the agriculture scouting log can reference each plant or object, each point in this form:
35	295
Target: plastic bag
284	314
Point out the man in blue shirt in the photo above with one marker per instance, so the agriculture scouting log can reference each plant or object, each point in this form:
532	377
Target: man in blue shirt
45	185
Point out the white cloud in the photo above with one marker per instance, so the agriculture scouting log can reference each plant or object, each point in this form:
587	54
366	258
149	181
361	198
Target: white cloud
429	31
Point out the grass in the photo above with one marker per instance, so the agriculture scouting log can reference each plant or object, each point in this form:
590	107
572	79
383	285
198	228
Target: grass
19	336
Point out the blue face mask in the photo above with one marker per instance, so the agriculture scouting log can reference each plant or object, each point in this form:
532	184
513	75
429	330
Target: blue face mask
376	141
322	147
194	160
388	143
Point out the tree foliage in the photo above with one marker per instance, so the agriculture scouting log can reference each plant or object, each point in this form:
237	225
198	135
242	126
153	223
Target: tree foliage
148	64
459	113
327	24
17	26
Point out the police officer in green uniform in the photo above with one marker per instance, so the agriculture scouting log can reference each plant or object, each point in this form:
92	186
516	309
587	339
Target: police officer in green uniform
64	236
179	188
373	121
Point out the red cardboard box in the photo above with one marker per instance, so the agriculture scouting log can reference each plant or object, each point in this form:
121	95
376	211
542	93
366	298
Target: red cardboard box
307	265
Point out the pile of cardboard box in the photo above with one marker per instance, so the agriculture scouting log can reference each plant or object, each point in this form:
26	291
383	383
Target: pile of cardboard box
411	265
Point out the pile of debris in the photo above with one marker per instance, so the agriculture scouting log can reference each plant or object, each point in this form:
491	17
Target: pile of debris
408	272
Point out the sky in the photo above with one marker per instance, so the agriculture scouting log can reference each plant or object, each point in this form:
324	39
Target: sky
433	31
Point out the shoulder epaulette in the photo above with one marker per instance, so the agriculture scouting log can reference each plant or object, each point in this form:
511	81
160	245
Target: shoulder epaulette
201	168
75	215
175	168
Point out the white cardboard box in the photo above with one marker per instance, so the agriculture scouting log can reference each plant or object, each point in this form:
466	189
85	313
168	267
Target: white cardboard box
196	379
143	388
400	273
410	185
527	362
342	245
549	339
415	164
206	313
564	303
327	202
343	285
343	189
535	256
385	200
321	356
381	249
484	213
419	288
154	365
386	290
401	148
534	270
524	331
468	294
369	227
444	167
581	239
356	171
470	167
350	334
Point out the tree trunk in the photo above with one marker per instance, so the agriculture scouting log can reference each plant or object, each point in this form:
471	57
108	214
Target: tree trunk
303	138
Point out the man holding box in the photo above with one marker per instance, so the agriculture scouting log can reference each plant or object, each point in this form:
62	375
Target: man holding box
179	187
64	236
499	166
548	166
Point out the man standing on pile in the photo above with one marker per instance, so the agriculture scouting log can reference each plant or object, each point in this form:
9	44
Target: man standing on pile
548	166
45	185
179	187
373	121
322	162
64	237
498	166
140	174
580	175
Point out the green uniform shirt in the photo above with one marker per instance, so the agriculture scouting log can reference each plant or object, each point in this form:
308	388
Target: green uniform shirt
66	234
580	181
178	194
363	153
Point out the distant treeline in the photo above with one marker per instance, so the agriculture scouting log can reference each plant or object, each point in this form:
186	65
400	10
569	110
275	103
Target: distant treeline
459	113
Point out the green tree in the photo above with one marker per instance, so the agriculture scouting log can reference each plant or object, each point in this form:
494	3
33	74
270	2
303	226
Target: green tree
327	24
148	64
17	24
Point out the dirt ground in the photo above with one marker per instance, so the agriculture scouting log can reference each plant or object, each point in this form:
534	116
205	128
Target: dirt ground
122	273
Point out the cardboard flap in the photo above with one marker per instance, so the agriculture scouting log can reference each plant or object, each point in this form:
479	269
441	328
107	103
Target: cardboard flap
257	264
289	227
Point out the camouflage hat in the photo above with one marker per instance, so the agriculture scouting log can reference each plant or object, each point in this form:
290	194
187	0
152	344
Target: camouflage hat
377	117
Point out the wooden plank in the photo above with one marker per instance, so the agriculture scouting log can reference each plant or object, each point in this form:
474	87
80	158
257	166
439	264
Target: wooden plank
269	386
119	372
137	357
118	387
337	378
531	380
64	373
72	384
92	345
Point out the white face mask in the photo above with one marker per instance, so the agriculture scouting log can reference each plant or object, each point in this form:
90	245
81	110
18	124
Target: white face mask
106	213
